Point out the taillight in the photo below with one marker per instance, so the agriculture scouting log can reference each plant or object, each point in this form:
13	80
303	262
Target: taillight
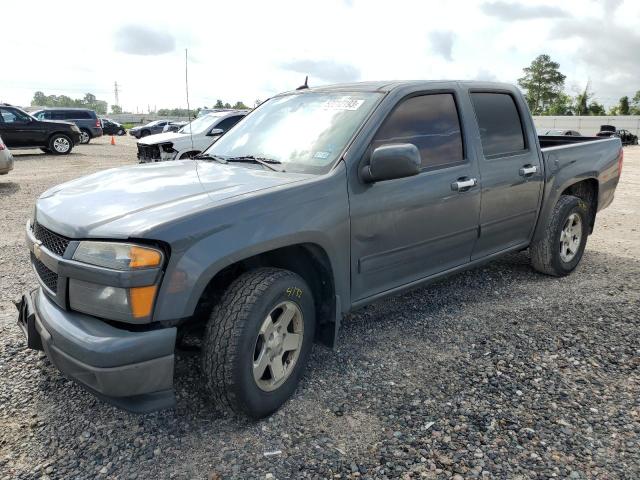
98	124
620	159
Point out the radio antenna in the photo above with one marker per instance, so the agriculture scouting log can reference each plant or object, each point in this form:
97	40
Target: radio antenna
305	85
186	83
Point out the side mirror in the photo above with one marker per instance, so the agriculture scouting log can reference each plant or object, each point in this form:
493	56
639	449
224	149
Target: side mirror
215	131
392	161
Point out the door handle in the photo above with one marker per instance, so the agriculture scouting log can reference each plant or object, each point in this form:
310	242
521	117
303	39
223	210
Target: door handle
463	184
528	170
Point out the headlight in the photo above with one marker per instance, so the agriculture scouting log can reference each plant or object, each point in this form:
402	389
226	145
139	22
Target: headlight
133	304
119	256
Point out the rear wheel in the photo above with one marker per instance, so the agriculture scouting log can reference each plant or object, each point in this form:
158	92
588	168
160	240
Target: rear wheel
560	250
121	132
144	133
258	341
85	137
60	144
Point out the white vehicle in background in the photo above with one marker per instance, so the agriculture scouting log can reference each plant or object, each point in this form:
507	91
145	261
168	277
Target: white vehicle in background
190	140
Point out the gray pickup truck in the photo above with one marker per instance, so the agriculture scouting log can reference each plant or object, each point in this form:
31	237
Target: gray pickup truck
320	201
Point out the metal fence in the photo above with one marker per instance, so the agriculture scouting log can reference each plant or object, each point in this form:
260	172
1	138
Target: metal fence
588	125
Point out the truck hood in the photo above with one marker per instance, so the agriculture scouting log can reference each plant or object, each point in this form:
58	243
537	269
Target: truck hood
131	201
162	138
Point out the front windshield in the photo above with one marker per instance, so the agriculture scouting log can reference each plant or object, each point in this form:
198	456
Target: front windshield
200	124
305	132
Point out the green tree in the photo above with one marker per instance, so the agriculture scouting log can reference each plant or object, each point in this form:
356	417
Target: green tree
623	106
219	104
613	110
542	82
116	109
596	108
240	106
227	105
635	104
582	100
562	105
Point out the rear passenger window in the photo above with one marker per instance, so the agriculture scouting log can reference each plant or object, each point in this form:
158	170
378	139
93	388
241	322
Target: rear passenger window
499	122
431	123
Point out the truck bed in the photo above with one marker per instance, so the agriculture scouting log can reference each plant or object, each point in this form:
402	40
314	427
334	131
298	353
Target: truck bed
547	141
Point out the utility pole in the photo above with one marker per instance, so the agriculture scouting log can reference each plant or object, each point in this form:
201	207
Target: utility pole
115	92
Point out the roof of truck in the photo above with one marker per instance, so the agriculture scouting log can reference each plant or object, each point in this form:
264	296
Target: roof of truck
388	85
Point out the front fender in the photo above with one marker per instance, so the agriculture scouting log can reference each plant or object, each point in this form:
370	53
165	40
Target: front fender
311	213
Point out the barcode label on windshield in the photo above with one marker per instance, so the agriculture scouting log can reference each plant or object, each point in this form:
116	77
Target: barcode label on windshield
343	104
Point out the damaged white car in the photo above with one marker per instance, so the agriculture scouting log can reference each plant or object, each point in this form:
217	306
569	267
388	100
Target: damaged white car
190	140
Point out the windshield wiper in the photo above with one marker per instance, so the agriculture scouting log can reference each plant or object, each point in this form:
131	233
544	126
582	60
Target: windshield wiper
208	156
266	162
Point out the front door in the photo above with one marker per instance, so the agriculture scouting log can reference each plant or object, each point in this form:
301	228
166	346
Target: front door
407	229
511	174
16	128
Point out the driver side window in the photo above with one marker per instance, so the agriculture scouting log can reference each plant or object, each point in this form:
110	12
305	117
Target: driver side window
13	116
431	123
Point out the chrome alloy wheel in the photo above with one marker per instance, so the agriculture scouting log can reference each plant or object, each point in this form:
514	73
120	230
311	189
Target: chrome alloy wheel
61	145
570	237
84	137
278	346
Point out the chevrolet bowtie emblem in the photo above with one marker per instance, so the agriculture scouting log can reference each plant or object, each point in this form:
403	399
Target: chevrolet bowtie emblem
37	251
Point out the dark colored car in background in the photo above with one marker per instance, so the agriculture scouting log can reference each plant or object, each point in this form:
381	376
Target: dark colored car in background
111	127
86	120
149	129
20	130
626	137
560	132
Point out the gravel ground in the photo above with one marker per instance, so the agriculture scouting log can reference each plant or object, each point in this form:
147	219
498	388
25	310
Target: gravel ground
495	373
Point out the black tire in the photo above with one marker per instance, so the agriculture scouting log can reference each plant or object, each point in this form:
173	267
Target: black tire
85	136
232	335
58	141
546	253
144	133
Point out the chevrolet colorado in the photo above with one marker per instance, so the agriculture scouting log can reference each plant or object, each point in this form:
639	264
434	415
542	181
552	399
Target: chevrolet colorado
320	201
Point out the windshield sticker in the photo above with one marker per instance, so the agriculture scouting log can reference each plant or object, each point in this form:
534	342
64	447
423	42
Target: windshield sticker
321	155
345	103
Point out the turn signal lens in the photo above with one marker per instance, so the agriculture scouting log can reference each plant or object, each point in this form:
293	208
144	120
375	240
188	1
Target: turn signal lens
144	257
141	299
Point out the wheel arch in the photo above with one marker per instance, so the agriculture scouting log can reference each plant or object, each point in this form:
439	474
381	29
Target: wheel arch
309	260
587	190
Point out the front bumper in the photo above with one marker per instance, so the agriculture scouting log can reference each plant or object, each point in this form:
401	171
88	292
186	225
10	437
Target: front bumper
132	370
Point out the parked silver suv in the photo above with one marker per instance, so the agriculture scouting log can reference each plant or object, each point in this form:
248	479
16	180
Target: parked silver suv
6	159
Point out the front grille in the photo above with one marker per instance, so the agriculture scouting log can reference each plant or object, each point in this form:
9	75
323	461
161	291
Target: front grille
48	277
52	241
148	153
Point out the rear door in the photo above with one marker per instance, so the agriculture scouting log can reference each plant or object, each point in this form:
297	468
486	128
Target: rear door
510	170
410	228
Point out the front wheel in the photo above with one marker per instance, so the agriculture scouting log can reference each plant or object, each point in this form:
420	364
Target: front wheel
121	132
60	144
560	250
258	341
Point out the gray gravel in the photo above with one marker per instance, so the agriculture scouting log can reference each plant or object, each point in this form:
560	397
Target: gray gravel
494	373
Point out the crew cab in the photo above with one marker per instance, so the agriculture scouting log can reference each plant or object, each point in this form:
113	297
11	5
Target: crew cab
21	130
190	140
319	202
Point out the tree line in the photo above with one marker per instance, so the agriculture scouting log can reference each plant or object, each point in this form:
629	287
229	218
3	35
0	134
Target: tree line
100	106
543	84
88	101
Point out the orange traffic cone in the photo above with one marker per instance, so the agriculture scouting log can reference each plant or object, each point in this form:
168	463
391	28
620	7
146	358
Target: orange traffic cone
113	140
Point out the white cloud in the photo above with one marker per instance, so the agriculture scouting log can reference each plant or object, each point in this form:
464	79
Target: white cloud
243	50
